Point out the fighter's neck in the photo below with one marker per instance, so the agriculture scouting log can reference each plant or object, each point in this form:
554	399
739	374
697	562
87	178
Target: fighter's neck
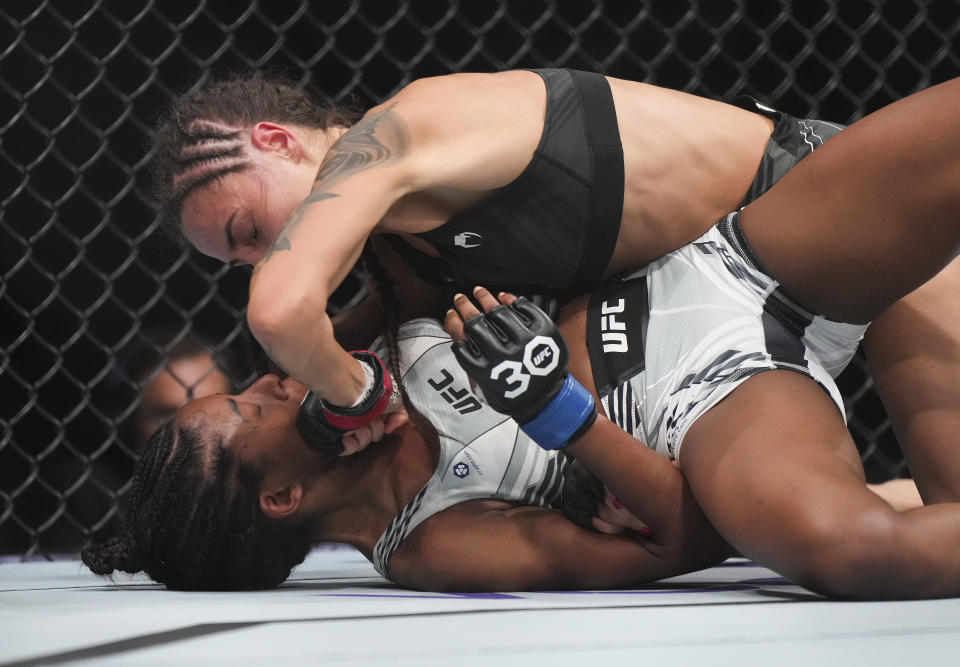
374	486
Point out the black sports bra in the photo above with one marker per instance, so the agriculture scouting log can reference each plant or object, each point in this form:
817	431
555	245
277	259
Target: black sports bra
555	227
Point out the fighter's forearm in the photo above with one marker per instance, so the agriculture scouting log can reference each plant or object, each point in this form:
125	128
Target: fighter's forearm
314	251
650	486
301	341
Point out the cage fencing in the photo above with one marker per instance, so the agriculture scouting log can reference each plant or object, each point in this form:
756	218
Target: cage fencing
96	308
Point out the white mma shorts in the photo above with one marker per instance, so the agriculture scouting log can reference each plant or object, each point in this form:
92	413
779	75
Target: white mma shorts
669	342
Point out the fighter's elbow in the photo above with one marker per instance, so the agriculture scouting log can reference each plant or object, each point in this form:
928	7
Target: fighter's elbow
264	325
275	317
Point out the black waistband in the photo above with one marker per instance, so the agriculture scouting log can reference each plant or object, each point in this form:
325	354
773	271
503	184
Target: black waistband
617	319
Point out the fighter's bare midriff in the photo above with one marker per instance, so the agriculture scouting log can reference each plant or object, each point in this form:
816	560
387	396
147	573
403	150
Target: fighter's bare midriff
688	161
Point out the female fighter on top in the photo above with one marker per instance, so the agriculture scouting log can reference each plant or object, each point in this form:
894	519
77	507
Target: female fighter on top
598	175
549	179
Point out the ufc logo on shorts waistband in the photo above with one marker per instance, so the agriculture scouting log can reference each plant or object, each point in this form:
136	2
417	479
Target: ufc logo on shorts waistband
614	334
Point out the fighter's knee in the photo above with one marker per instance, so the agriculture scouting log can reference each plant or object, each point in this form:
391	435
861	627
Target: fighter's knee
849	557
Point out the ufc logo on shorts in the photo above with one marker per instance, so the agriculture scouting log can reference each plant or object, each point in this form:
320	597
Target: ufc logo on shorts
540	356
614	334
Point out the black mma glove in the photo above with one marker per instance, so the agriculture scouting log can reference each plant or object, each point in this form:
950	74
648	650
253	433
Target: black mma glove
581	495
548	304
323	425
519	359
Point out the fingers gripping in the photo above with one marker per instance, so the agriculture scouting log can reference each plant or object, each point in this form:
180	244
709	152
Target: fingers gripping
323	426
518	359
517	356
535	318
508	323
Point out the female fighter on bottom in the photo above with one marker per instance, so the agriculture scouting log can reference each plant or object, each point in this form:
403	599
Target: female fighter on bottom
229	495
735	381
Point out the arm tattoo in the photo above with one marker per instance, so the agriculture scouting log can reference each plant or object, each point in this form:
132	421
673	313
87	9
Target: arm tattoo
359	149
282	242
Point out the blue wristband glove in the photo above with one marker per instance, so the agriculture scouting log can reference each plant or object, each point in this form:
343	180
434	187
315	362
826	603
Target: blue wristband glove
519	359
571	412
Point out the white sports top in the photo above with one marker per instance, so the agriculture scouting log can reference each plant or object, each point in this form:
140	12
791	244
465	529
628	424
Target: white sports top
483	454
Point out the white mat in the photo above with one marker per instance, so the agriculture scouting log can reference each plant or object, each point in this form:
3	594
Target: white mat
337	610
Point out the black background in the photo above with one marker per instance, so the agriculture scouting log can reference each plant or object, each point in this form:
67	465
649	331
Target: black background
85	275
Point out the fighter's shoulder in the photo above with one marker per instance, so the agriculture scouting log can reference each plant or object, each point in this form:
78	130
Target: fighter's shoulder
467	89
473	131
440	107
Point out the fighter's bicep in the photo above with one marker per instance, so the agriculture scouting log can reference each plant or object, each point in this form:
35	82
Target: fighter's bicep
524	548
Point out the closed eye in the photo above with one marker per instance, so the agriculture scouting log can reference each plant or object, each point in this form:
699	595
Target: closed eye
236	408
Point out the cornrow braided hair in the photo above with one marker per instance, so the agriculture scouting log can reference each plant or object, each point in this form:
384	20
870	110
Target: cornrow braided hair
200	138
194	521
391	309
212	150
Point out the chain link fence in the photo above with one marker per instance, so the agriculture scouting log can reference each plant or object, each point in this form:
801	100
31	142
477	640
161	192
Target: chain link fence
96	308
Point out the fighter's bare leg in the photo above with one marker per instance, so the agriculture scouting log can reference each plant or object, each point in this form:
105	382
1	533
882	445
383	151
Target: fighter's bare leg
863	222
869	216
914	354
776	472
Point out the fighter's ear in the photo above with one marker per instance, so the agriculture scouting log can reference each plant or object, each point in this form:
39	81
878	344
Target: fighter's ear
281	503
266	136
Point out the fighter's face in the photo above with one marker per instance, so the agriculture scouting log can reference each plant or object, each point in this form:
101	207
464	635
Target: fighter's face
237	217
257	425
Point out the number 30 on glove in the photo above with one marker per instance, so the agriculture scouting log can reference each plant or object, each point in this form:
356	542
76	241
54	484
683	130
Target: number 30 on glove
519	359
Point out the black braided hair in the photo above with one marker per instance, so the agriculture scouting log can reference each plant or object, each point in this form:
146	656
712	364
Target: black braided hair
198	139
117	553
194	520
391	309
